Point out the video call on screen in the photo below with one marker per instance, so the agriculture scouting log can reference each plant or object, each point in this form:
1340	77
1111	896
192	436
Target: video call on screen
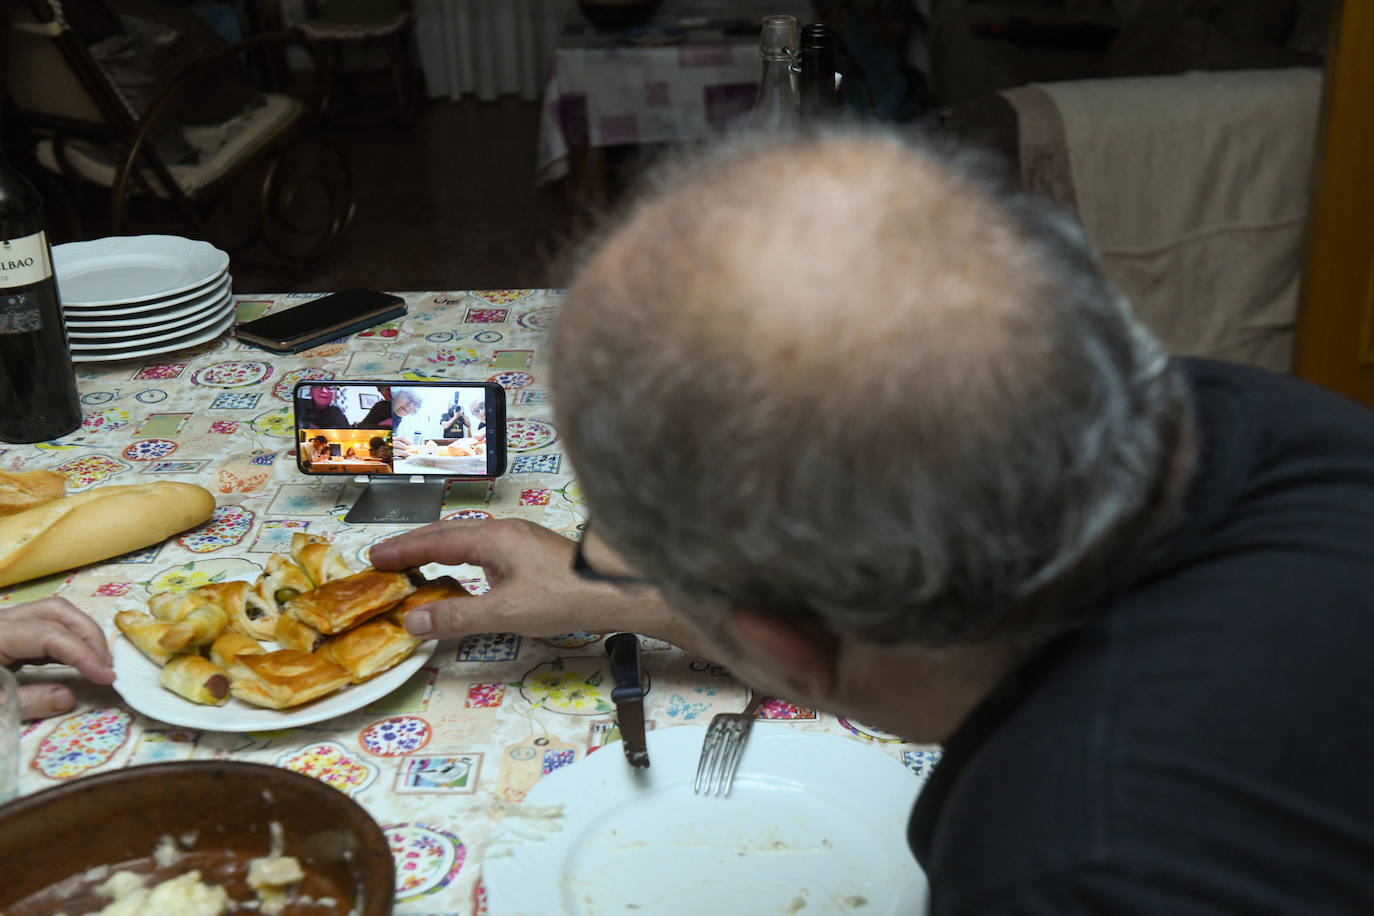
391	429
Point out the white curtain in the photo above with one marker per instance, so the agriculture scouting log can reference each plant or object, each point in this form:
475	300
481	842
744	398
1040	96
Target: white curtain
488	48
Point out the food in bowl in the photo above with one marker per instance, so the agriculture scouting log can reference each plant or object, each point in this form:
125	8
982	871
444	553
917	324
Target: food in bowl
164	821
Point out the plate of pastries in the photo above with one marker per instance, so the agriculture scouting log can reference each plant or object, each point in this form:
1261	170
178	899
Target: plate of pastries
309	640
466	455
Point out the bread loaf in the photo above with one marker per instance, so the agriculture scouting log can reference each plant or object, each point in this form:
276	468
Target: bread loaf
21	490
96	525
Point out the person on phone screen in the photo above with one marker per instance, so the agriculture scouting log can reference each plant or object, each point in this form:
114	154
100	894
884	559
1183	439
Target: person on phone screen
1130	595
320	411
319	449
456	427
379	415
405	403
479	416
377	448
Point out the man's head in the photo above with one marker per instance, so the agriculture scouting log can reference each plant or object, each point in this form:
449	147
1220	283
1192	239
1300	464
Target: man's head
319	440
855	382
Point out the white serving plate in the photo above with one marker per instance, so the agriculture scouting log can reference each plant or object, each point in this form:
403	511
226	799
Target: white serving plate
449	464
148	312
116	339
131	269
814	824
86	331
136	681
137	349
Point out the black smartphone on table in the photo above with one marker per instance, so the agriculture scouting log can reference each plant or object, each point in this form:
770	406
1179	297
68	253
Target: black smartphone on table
382	427
320	320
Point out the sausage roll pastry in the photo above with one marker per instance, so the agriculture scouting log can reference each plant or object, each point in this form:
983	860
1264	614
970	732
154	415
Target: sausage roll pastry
230	646
197	679
318	557
144	631
369	649
342	603
284	678
200	627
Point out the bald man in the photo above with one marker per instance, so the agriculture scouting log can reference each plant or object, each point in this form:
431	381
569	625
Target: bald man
912	460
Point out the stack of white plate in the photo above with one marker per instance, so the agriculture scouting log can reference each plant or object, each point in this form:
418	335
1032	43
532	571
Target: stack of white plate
140	295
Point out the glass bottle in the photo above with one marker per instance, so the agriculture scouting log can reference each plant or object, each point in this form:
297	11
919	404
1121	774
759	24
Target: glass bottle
776	105
38	397
817	77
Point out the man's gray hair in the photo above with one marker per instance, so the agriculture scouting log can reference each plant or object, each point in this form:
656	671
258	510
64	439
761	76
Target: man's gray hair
859	378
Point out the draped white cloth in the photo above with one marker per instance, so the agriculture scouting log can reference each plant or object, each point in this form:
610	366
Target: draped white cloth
488	48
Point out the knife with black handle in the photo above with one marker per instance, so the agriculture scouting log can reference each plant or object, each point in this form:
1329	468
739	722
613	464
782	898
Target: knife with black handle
628	695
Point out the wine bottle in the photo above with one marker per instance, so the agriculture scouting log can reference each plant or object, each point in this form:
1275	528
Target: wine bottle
817	71
775	107
38	398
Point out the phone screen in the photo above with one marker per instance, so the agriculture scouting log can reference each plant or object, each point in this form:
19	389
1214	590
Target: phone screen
378	428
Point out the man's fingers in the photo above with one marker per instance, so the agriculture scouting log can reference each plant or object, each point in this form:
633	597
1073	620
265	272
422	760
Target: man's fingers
38	701
49	640
452	617
83	627
451	543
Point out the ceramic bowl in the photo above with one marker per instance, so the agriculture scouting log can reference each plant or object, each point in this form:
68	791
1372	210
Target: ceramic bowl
224	807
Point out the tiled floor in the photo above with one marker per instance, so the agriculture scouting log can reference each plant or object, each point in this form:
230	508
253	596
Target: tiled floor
448	204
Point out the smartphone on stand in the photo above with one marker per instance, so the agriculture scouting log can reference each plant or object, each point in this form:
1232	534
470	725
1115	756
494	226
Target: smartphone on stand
321	320
415	435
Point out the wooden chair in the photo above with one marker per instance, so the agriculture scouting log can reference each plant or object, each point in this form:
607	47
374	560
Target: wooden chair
341	26
89	134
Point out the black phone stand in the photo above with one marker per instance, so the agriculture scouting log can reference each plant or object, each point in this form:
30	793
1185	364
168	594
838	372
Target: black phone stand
403	501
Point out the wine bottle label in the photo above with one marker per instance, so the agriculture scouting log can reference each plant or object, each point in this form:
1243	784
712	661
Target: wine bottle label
24	261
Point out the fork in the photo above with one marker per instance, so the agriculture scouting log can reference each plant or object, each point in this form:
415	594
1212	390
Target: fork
723	747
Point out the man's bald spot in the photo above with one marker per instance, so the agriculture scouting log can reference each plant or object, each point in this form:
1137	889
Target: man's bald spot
845	248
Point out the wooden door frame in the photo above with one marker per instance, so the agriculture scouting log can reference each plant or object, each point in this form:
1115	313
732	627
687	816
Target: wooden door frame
1334	342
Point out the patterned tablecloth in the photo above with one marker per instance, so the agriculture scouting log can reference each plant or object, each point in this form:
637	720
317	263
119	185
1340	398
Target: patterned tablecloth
606	90
435	761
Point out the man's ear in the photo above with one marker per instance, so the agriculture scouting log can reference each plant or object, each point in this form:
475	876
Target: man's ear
803	651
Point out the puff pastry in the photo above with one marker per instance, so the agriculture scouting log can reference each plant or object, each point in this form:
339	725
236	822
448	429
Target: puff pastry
200	627
290	633
318	557
285	678
369	649
281	580
145	632
342	603
173	606
231	645
195	678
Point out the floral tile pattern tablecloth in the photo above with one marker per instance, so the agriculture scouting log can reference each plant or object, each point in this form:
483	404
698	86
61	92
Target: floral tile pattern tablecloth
437	761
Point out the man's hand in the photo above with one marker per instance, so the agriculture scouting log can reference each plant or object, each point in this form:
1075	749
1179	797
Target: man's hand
52	630
534	591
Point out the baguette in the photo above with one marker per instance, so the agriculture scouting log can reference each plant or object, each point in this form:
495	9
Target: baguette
96	525
22	490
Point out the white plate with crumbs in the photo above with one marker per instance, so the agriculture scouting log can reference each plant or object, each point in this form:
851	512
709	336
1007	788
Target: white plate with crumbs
814	824
136	681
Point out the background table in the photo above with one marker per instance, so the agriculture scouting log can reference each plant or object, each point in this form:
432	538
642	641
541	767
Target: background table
604	90
440	759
